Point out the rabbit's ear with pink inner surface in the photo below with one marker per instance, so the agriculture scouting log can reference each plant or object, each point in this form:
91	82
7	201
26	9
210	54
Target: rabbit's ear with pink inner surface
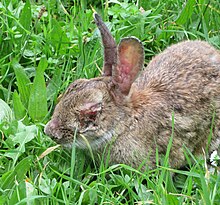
122	63
130	60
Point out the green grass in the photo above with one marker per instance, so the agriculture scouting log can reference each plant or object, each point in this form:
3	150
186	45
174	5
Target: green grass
39	57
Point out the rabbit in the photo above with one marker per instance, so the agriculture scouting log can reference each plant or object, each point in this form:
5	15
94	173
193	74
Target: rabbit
130	109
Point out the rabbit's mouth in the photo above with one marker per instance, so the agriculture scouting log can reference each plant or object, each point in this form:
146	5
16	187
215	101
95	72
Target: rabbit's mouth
88	130
92	141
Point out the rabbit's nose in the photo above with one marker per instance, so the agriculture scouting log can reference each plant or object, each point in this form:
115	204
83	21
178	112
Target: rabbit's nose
51	127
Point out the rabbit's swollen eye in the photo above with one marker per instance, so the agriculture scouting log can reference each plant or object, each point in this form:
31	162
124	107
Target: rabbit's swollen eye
88	113
87	118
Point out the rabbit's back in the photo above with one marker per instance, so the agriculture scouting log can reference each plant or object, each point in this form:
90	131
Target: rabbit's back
186	75
185	79
188	65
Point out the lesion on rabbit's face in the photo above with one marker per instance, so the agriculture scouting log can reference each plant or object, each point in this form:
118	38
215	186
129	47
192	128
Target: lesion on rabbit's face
85	110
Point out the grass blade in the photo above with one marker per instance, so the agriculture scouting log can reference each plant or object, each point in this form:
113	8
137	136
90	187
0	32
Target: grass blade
205	190
186	13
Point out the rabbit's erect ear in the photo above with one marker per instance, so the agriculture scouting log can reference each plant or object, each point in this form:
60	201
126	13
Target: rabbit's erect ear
130	62
109	44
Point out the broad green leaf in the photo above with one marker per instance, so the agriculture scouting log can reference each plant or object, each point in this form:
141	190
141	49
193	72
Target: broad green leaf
5	112
3	199
26	192
19	109
23	135
37	107
7	181
47	185
23	82
18	194
58	38
54	84
171	199
25	18
186	12
31	191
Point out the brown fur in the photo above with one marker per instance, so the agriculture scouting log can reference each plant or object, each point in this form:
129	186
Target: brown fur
184	79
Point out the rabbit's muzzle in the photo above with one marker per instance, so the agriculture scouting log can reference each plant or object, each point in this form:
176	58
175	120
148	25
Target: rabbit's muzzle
54	129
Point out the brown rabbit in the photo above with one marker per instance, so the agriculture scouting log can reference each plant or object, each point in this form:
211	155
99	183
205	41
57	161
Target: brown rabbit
134	114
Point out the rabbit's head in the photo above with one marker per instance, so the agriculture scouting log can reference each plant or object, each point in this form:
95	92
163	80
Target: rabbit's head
94	108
